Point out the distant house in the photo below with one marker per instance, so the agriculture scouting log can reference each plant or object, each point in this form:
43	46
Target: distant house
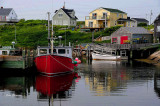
7	15
102	38
138	21
157	28
131	35
64	17
106	17
125	22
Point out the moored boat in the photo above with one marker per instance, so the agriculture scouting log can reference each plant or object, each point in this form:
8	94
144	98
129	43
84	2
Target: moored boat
57	63
53	60
99	56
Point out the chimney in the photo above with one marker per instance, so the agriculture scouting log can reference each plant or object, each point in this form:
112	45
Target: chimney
64	5
1	7
128	17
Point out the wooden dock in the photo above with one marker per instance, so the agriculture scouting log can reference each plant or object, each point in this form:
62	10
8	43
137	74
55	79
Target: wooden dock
128	51
17	62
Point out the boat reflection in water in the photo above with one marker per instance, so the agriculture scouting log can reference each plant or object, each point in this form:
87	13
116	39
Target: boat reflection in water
56	87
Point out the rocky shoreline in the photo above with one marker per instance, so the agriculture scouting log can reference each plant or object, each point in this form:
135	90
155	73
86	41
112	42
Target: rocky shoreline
152	59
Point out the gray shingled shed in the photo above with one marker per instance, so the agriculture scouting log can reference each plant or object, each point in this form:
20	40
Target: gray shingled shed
131	35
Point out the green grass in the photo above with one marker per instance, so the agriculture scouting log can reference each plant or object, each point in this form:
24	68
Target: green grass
33	33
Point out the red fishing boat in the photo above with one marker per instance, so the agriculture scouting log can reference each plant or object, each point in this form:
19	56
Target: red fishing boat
52	60
57	63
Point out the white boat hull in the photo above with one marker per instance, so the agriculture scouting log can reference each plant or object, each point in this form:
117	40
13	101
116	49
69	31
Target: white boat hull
104	57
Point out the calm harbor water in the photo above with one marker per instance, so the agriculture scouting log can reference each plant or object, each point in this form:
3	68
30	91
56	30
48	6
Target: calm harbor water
96	83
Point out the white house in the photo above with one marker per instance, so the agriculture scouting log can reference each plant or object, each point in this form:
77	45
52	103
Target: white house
138	21
64	17
7	15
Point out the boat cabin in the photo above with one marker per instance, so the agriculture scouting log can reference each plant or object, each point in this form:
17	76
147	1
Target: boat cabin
8	50
60	51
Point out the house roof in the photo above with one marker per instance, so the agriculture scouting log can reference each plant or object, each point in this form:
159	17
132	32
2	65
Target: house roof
136	30
157	18
140	19
123	19
5	11
113	10
68	11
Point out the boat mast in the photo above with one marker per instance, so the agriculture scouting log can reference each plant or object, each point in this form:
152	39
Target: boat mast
48	27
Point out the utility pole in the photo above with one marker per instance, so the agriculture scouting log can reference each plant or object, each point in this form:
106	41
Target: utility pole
92	36
15	35
151	17
105	19
146	16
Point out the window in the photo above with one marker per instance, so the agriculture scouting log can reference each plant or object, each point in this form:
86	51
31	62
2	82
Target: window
128	23
114	40
60	15
54	51
104	15
43	51
61	51
67	51
90	24
94	16
4	52
122	15
3	18
158	28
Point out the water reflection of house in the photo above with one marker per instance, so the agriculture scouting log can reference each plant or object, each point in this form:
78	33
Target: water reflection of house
107	78
104	78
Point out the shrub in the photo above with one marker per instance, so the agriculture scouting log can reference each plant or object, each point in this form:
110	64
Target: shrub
142	24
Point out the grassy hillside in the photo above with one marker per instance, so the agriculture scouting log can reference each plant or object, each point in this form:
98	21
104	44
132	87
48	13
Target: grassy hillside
33	33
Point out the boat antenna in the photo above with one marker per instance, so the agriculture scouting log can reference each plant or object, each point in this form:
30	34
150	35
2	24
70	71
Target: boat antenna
48	27
52	39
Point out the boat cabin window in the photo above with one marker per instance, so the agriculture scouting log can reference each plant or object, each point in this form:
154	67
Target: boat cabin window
54	51
61	51
4	52
43	51
67	51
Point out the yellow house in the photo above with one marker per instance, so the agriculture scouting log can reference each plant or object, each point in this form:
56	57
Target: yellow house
107	17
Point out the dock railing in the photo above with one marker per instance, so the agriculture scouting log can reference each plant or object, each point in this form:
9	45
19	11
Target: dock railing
127	46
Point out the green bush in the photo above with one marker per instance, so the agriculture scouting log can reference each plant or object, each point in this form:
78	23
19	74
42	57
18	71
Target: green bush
142	24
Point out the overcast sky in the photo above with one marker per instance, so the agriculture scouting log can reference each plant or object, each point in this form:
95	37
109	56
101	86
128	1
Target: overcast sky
37	9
